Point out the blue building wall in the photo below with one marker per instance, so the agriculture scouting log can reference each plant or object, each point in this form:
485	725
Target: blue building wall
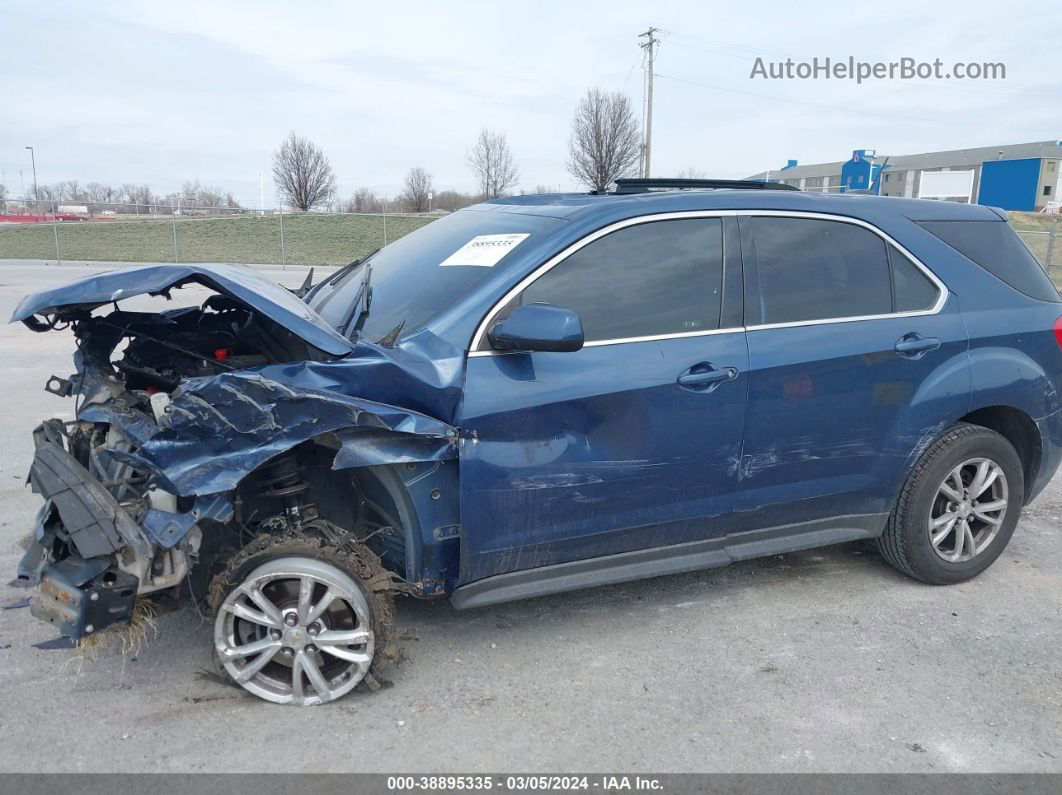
1010	184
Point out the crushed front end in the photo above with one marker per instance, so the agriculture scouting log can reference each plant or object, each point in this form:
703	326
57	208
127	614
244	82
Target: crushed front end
104	534
195	430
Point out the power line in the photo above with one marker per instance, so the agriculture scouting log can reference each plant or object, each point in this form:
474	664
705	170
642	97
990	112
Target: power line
713	51
757	50
631	71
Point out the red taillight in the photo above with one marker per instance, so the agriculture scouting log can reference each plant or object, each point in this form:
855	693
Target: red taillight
1058	332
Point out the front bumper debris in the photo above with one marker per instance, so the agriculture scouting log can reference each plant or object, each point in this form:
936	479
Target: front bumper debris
91	556
93	519
80	596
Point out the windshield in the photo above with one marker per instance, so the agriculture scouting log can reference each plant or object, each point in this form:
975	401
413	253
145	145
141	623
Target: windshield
409	282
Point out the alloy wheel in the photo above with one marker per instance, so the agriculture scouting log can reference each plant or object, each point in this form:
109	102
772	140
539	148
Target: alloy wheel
295	631
968	510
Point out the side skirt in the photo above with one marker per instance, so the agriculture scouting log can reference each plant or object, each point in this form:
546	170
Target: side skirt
644	563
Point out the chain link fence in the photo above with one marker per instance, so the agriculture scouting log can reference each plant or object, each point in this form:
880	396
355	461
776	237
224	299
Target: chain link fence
1044	243
50	231
55	232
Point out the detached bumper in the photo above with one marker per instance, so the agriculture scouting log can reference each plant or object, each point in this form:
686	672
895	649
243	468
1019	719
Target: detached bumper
82	532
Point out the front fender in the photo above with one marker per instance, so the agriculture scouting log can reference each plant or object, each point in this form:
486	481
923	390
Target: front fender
218	430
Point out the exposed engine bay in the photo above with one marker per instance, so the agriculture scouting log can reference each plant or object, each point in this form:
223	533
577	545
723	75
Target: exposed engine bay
161	351
196	430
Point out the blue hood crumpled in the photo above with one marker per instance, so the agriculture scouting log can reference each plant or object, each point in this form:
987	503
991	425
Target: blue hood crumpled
382	404
219	429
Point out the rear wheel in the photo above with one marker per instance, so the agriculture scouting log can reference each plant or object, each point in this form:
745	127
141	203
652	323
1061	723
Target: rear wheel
958	508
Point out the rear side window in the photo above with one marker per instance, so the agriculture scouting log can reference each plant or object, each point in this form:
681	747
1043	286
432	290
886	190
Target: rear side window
995	247
662	277
814	270
912	289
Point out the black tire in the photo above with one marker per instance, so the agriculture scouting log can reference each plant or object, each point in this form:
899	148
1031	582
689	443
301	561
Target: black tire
906	545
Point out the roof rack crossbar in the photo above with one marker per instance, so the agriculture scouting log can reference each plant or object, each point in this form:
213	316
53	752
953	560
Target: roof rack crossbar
644	185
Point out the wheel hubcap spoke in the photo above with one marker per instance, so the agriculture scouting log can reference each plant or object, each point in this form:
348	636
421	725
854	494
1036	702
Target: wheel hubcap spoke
261	661
336	644
948	523
264	604
953	494
257	647
315	612
320	685
248	614
306	585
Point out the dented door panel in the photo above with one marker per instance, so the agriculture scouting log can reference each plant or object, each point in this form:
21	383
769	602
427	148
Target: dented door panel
567	456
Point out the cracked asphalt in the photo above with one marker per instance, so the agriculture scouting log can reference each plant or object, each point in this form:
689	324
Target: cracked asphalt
826	660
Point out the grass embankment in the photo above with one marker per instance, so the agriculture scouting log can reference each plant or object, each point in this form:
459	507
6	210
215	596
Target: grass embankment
309	239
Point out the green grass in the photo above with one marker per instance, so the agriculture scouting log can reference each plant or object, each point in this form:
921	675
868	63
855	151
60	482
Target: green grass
1034	222
309	239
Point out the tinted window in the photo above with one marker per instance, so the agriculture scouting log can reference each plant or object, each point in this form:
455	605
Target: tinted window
663	277
994	246
913	290
813	270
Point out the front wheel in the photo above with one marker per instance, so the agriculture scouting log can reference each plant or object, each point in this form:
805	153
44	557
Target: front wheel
958	508
296	630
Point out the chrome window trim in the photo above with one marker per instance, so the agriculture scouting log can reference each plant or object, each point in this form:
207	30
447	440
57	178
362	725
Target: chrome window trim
481	330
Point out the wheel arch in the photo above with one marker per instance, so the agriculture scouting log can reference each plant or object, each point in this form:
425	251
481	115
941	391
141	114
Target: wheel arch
1018	428
418	498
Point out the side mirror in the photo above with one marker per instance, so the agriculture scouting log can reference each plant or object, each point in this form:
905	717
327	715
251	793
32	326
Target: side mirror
537	327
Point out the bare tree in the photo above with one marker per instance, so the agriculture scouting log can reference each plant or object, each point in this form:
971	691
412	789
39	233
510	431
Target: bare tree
137	195
302	173
453	200
363	200
71	191
605	143
492	163
418	190
692	173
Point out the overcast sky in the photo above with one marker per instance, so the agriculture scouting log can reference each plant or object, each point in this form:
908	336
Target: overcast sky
161	92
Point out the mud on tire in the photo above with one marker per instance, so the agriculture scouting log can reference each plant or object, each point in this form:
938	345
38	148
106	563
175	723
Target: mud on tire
357	561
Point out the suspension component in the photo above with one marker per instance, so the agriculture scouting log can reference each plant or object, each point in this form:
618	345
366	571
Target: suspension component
282	479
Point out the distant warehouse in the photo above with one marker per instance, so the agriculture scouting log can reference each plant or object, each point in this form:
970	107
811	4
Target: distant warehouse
1014	176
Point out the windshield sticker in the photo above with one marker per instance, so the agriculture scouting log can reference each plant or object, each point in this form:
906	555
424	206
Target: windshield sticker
484	250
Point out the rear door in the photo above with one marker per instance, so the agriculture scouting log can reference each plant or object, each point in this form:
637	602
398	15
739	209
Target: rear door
855	351
630	443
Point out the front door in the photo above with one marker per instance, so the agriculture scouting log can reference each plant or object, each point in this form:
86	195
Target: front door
632	442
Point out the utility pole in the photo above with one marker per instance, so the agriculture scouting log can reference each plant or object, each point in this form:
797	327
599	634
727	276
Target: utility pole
649	45
33	160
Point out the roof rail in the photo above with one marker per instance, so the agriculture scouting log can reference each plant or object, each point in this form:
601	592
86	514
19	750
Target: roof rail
644	185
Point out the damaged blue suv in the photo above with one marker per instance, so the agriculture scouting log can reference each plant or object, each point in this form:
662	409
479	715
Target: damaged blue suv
539	394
